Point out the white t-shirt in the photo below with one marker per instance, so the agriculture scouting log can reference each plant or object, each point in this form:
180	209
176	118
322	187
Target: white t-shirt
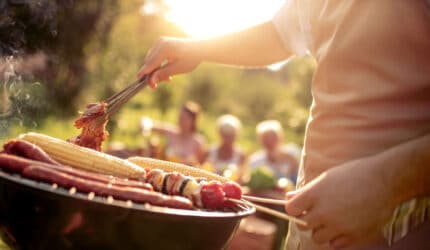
371	88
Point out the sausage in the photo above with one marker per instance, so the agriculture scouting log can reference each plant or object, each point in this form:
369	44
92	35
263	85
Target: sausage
16	164
13	163
28	150
45	174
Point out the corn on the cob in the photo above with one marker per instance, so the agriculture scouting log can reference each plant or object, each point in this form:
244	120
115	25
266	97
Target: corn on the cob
181	168
84	158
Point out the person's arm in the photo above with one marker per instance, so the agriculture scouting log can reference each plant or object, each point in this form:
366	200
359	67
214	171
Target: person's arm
349	203
257	46
406	168
158	127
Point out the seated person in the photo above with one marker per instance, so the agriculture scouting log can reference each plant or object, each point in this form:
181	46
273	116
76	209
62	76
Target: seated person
274	155
227	156
184	144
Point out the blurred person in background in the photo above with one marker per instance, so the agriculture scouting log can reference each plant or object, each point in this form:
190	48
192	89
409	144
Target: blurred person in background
364	178
227	158
274	155
184	144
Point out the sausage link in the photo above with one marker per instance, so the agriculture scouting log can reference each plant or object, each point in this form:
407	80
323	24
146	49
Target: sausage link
45	174
13	163
28	150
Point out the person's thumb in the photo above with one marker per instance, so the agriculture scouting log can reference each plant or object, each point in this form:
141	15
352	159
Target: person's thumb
298	203
166	72
290	195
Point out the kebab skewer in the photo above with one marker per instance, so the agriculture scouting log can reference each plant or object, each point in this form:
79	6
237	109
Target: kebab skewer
203	194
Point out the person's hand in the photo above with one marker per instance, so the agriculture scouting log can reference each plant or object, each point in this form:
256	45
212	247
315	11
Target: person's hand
168	57
345	206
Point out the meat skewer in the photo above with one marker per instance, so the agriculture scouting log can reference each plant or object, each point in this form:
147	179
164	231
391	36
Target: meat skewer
271	212
210	195
264	200
232	192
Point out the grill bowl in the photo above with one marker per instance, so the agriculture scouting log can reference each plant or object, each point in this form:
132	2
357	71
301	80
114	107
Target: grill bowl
35	215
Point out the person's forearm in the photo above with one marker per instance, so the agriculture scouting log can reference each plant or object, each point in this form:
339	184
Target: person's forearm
163	128
406	168
257	46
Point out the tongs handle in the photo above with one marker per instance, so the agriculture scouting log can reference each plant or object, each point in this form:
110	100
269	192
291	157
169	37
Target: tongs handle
116	101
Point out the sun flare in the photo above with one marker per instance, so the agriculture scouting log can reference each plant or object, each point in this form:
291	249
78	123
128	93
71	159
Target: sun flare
209	18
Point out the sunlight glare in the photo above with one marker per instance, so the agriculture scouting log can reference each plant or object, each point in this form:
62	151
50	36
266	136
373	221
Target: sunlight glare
209	18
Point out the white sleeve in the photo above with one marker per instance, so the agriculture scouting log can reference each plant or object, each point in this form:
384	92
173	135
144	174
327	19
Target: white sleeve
289	23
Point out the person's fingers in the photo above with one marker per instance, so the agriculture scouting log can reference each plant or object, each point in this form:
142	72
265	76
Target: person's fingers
312	220
173	68
142	71
166	72
322	234
341	242
300	203
153	60
153	81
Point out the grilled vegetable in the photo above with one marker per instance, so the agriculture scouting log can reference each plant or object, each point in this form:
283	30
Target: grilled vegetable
84	158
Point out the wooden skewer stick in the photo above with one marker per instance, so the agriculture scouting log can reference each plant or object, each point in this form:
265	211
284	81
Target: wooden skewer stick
270	211
264	200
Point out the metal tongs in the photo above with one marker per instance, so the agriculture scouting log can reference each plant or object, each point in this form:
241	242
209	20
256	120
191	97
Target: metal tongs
117	101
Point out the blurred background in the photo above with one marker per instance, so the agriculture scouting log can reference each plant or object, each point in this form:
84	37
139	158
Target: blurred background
56	56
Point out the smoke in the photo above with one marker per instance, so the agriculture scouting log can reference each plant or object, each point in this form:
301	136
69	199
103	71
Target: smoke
9	78
45	40
26	28
21	98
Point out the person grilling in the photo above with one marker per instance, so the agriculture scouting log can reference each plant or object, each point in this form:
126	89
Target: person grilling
364	177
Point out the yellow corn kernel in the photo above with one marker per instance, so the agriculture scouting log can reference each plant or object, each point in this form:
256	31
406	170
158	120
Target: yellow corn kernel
84	158
172	167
